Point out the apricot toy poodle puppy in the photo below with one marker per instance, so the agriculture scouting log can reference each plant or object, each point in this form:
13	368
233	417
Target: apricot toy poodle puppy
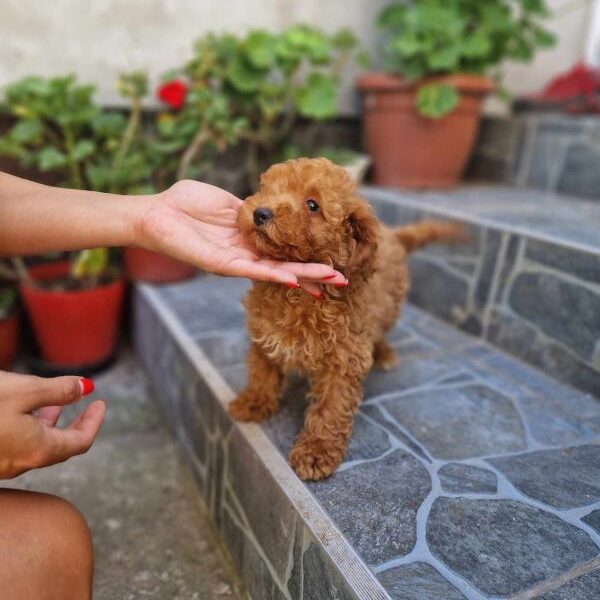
307	210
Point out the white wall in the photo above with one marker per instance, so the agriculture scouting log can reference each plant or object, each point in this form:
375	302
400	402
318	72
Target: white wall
97	39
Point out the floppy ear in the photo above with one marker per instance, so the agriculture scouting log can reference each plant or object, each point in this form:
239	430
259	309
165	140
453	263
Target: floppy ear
364	229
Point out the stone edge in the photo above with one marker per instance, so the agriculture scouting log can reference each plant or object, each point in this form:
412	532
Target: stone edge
354	571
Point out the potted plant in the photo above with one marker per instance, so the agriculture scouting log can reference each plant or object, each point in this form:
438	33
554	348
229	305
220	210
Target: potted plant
74	303
9	326
421	116
248	91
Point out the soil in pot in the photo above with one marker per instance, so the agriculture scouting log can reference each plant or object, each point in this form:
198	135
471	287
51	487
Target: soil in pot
75	327
145	265
413	151
9	338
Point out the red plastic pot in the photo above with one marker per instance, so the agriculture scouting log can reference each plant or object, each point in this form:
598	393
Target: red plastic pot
9	339
410	150
75	327
145	265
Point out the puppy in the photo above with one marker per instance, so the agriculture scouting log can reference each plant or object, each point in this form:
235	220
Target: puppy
307	210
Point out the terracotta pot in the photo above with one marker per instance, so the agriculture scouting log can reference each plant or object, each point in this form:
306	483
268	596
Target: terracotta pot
9	339
75	327
145	265
413	151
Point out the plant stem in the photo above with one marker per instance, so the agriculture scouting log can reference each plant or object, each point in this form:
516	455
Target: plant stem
21	269
130	132
76	179
191	151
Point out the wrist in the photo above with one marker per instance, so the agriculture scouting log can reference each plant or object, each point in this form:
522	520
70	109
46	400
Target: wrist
130	212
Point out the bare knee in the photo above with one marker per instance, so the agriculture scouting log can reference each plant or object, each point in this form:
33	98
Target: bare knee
45	548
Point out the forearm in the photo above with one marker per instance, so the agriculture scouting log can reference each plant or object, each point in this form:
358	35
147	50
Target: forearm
37	218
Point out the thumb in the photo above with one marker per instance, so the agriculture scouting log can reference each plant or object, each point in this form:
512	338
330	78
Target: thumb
37	392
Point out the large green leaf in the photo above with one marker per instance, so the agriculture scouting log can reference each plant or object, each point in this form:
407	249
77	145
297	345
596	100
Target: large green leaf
27	130
108	124
243	76
90	263
317	97
260	48
436	100
51	158
83	149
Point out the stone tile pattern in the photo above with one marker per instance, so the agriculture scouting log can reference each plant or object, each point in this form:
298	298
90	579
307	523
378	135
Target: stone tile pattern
534	298
436	459
556	153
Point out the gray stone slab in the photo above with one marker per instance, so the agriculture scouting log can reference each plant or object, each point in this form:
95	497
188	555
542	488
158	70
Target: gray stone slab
273	528
502	546
380	520
488	422
225	349
593	519
320	581
463	479
563	478
563	310
417	581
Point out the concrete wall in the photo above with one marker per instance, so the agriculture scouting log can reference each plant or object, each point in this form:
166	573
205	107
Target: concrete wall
99	38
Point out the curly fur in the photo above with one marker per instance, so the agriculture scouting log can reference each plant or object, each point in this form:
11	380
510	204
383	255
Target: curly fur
334	340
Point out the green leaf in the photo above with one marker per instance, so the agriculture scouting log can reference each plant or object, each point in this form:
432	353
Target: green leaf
51	158
90	263
108	124
243	76
476	45
317	97
27	130
83	149
344	40
436	100
260	48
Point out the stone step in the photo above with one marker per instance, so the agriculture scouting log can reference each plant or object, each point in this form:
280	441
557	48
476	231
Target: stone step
469	474
529	281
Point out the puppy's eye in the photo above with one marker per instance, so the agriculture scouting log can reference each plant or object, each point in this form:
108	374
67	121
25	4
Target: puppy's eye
312	205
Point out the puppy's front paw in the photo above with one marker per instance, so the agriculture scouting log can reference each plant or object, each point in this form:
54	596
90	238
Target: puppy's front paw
314	458
249	407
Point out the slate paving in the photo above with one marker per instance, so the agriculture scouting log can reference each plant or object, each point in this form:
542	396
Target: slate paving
469	473
527	282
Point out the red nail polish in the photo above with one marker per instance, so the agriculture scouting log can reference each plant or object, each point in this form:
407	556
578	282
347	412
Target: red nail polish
330	276
292	285
315	296
87	386
344	284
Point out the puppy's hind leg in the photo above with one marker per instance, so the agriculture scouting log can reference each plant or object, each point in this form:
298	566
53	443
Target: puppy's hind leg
384	356
260	399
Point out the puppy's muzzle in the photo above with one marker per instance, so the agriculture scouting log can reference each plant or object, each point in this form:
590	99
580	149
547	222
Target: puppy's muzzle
262	215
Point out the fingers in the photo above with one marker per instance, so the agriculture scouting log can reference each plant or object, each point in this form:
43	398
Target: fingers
78	436
49	415
36	392
314	272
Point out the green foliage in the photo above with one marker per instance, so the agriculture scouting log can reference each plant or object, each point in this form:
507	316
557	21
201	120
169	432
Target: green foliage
90	264
253	89
438	37
435	100
8	300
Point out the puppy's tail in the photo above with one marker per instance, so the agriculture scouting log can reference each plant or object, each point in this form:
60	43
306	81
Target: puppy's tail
417	235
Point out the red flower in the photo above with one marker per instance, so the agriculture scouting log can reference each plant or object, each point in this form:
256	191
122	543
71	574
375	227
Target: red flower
173	93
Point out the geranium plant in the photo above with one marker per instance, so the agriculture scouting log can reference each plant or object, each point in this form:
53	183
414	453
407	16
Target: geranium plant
438	37
251	89
60	129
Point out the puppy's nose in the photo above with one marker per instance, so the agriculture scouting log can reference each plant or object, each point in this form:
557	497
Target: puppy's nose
262	215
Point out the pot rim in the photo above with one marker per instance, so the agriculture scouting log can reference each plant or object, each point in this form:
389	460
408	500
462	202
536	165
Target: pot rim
31	287
466	83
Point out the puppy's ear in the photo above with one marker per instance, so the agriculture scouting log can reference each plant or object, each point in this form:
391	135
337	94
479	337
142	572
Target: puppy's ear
364	229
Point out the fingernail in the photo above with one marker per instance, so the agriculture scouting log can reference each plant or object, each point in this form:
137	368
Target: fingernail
87	386
330	276
292	285
343	284
318	297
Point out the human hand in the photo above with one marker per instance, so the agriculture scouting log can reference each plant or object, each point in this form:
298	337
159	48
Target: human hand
197	223
29	439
